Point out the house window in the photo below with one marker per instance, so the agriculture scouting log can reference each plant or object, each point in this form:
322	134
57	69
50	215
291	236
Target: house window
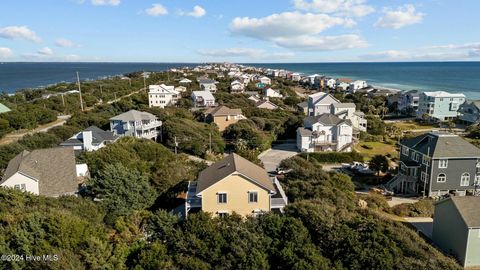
21	187
222	214
252	197
443	163
426	160
405	150
477	180
442	178
465	180
222	197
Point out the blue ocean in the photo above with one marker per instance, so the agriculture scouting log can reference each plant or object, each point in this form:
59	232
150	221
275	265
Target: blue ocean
459	77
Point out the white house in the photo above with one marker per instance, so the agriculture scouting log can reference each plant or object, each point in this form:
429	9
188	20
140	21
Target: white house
272	93
320	103
325	132
136	124
357	85
208	85
330	83
162	95
203	99
185	81
265	80
342	86
237	87
296	77
90	139
50	172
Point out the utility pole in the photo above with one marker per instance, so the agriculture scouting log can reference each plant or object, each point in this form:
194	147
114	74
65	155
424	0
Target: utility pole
144	81
80	91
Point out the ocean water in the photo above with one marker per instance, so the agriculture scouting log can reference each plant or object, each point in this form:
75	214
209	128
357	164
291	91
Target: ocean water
455	77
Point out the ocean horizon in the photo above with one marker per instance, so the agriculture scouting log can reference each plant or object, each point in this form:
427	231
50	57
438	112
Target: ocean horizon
455	77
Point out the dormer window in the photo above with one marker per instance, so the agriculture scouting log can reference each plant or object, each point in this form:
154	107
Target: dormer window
443	163
405	150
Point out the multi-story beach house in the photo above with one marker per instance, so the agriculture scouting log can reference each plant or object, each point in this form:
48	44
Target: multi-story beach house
235	185
50	172
208	85
456	229
237	87
439	106
265	80
162	95
357	85
435	164
325	132
203	99
142	125
90	139
408	102
223	116
469	112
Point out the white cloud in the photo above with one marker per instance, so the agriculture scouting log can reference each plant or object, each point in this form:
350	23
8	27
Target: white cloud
19	32
352	8
71	58
62	42
402	16
45	51
298	30
387	55
251	53
105	2
5	53
156	10
197	12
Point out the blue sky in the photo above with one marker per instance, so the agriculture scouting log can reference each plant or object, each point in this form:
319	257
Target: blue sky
239	30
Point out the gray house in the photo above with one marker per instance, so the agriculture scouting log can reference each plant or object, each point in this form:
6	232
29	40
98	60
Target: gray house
456	229
408	102
136	124
469	112
90	139
435	164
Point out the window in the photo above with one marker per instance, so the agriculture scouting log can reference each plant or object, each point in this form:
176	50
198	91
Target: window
423	177
477	180
222	214
222	197
426	160
442	178
465	180
405	150
443	163
21	187
252	197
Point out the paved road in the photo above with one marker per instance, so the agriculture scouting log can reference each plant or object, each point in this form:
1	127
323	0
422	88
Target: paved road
425	225
272	157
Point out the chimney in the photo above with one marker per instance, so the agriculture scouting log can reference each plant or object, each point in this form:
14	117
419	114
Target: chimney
87	140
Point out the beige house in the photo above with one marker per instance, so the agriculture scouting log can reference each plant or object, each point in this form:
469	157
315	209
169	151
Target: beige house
223	116
235	185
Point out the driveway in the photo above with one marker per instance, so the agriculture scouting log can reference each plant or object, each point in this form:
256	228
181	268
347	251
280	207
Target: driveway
272	157
423	224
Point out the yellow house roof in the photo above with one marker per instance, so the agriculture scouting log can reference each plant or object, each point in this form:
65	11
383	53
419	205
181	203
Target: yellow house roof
233	163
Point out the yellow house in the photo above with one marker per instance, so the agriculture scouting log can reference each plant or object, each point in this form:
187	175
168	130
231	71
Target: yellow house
223	116
235	185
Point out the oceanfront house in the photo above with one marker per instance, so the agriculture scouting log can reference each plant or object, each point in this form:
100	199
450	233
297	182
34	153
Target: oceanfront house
314	80
265	80
439	106
343	87
272	93
356	85
235	185
456	229
3	108
142	125
237	87
408	102
162	95
325	132
90	139
437	164
266	104
469	112
223	116
203	99
207	85
50	172
330	83
185	81
296	77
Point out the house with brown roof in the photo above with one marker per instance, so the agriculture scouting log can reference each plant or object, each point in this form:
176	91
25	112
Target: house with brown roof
223	116
456	229
235	185
266	104
49	172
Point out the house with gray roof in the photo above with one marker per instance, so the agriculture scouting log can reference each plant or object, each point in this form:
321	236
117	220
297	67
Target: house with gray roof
90	139
207	84
469	112
456	229
325	132
436	164
136	124
49	172
408	102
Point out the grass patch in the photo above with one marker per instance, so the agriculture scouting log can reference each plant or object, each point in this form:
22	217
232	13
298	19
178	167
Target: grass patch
370	149
411	125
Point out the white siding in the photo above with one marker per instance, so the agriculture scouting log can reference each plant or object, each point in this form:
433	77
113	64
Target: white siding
18	179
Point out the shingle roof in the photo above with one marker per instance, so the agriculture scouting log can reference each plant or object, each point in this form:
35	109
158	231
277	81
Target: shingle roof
326	119
134	115
223	110
265	102
343	105
303	104
98	136
204	94
442	145
206	81
54	168
233	163
468	208
304	132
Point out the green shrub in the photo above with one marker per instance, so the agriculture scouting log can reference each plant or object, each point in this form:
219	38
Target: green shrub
334	157
422	208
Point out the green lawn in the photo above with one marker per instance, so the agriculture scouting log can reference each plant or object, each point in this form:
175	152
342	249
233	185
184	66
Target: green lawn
377	148
412	125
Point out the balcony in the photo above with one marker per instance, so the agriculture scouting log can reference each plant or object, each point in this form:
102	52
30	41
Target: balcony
325	143
149	125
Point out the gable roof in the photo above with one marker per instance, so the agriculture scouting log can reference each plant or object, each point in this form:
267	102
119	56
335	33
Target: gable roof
440	144
54	168
327	119
3	108
344	105
233	163
134	115
261	103
164	89
98	136
203	94
318	97
468	208
223	110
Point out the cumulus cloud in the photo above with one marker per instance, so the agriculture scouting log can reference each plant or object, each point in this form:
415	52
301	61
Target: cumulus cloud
197	12
353	8
105	2
19	32
5	53
400	17
251	53
62	42
45	51
156	10
298	30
